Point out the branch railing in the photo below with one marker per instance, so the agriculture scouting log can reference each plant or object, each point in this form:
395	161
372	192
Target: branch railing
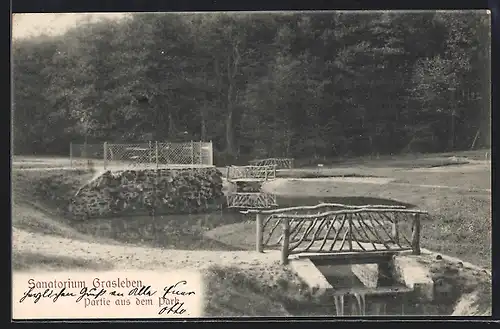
280	163
351	229
251	172
252	200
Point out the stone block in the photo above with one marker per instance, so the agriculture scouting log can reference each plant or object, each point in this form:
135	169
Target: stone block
415	275
311	275
368	274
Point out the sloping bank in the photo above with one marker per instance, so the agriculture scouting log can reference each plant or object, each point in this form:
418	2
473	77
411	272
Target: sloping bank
461	288
234	292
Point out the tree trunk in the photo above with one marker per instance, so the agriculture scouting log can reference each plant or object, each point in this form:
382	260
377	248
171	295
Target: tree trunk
229	131
203	125
171	126
370	138
229	117
288	142
475	139
203	113
452	131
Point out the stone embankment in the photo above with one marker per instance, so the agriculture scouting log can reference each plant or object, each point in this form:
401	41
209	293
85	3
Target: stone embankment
149	191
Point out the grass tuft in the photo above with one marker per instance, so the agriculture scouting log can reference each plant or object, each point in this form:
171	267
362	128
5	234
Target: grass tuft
235	292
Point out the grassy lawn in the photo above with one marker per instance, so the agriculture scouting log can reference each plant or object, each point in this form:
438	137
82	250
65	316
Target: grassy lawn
232	292
43	212
410	160
460	223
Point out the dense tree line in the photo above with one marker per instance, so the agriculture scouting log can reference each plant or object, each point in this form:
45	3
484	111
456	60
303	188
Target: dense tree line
294	85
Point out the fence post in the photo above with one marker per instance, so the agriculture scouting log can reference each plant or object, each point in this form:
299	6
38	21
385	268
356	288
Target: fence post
274	171
71	154
415	235
105	156
156	153
201	152
211	154
395	230
258	223
150	153
286	241
192	152
350	233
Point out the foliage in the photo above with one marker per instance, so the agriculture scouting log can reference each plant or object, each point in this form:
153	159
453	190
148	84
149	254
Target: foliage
259	85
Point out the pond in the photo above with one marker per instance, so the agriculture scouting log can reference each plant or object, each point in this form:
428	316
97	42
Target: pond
232	229
191	232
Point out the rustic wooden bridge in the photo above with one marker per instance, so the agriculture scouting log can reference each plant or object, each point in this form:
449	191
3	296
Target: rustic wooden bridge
248	180
339	233
251	173
279	163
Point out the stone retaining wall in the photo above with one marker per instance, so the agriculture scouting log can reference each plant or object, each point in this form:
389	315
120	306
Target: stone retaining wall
148	191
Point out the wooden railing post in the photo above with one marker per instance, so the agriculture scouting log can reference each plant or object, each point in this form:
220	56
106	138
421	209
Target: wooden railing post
415	235
286	241
350	233
192	152
395	230
274	171
150	152
259	241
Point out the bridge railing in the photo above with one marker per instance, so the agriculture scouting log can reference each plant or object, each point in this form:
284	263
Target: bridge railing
350	229
252	172
251	200
280	163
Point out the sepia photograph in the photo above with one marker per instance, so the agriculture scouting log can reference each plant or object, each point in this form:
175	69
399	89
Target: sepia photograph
251	164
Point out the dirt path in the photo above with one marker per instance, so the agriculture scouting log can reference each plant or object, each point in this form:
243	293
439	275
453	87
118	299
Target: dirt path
124	257
43	168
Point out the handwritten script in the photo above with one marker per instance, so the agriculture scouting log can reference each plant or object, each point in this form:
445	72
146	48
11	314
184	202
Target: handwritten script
177	297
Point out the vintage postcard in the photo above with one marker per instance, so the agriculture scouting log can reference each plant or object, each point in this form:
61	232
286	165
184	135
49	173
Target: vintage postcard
236	164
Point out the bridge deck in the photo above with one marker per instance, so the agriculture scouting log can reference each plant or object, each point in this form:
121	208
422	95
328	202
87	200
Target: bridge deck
362	247
354	257
236	180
